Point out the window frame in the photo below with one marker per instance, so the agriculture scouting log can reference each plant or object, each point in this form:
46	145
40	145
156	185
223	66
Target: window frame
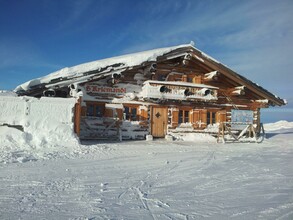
95	107
183	114
211	117
131	114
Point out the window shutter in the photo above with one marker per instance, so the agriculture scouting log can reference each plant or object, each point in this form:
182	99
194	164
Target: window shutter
143	115
175	116
221	116
195	119
203	118
119	113
109	112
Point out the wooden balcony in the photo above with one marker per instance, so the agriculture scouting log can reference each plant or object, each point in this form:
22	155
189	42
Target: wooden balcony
175	90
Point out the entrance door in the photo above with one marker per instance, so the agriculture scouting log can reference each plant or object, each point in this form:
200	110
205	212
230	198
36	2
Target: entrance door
159	121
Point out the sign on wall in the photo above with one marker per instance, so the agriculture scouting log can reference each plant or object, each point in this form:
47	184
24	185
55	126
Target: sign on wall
241	116
95	89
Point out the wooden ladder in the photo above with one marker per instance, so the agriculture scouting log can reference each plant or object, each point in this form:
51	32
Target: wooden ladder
230	100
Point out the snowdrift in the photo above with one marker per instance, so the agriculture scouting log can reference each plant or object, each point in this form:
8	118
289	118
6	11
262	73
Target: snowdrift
33	128
7	93
278	125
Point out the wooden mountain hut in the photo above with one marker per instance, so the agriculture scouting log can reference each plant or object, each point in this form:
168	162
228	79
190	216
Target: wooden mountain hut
157	92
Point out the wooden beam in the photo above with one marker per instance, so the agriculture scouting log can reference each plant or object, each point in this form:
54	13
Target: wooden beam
77	117
205	67
236	91
211	76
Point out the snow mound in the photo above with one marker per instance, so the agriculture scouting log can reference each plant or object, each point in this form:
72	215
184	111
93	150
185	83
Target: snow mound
7	93
13	145
17	146
32	129
194	137
278	125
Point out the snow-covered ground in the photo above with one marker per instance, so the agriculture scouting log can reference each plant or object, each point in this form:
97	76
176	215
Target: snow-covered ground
147	179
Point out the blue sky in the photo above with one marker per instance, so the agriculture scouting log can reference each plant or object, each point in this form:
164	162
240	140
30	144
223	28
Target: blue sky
253	37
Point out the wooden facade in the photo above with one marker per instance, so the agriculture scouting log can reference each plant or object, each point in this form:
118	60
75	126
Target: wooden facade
182	90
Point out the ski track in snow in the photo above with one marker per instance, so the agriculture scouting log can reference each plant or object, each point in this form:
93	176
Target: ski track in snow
154	180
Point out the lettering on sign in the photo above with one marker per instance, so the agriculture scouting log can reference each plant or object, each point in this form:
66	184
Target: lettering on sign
97	89
176	88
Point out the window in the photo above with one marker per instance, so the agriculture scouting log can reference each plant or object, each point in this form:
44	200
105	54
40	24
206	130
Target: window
90	110
99	111
133	114
211	118
186	116
183	116
94	110
130	113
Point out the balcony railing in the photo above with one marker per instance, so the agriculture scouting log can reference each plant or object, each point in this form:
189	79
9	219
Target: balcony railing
170	90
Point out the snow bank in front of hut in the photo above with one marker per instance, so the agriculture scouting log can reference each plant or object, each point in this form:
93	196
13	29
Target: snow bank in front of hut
194	137
7	93
278	125
33	128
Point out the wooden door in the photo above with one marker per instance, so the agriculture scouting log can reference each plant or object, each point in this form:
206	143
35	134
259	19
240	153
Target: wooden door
159	121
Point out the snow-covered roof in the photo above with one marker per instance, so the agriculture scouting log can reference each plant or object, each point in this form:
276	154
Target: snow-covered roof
106	67
82	71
